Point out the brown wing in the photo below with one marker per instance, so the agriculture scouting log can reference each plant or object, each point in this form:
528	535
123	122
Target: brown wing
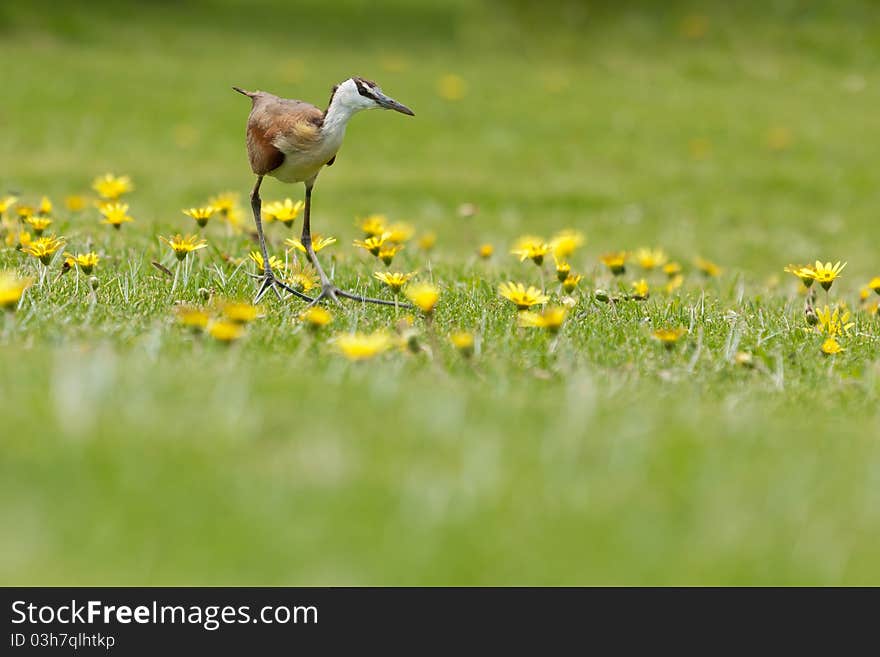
278	126
263	156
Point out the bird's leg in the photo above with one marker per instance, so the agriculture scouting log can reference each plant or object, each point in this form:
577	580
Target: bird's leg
328	289
267	280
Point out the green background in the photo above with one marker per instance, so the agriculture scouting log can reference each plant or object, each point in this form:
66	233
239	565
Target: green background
744	132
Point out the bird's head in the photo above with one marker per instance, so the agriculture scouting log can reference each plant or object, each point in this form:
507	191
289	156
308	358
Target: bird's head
357	94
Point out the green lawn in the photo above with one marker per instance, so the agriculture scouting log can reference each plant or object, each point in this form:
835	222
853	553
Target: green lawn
134	452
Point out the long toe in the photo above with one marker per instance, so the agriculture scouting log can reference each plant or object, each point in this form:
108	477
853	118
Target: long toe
266	283
270	282
363	299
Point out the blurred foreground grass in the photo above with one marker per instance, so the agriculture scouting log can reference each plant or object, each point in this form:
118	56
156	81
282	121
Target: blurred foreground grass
133	454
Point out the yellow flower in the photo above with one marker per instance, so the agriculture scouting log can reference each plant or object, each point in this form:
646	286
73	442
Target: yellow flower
700	148
86	262
25	211
388	251
11	289
563	269
239	313
285	211
616	262
826	274
316	317
75	203
372	244
640	290
570	283
394	280
44	248
805	273
451	87
533	248
362	346
744	359
201	215
373	225
668	337
226	330
874	284
318	243
115	214
831	347
111	187
424	296
674	283
18	238
650	258
274	261
45	206
234	218
192	318
224	203
427	241
182	246
707	267
400	232
778	138
871	307
485	251
565	243
7	202
672	269
302	277
523	298
693	26
463	341
833	323
39	224
551	318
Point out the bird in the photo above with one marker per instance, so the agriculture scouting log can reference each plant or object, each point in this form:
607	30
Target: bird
292	141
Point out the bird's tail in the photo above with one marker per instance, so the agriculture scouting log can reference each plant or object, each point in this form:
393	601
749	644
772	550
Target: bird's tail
249	94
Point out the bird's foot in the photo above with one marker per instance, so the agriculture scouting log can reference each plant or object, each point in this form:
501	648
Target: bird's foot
269	282
330	291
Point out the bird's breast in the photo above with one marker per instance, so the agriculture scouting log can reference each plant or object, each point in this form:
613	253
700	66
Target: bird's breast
303	158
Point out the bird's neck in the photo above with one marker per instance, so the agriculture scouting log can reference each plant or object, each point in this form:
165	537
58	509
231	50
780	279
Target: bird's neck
336	117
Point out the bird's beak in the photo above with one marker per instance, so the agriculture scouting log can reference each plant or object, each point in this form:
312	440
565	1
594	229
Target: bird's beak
390	103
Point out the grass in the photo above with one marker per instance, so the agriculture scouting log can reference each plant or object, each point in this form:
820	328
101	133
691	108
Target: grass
137	453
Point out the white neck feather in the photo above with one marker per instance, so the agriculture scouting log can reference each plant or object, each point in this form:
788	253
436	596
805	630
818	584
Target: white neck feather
337	117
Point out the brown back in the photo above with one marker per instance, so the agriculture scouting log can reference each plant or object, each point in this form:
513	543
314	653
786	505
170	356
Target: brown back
277	126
